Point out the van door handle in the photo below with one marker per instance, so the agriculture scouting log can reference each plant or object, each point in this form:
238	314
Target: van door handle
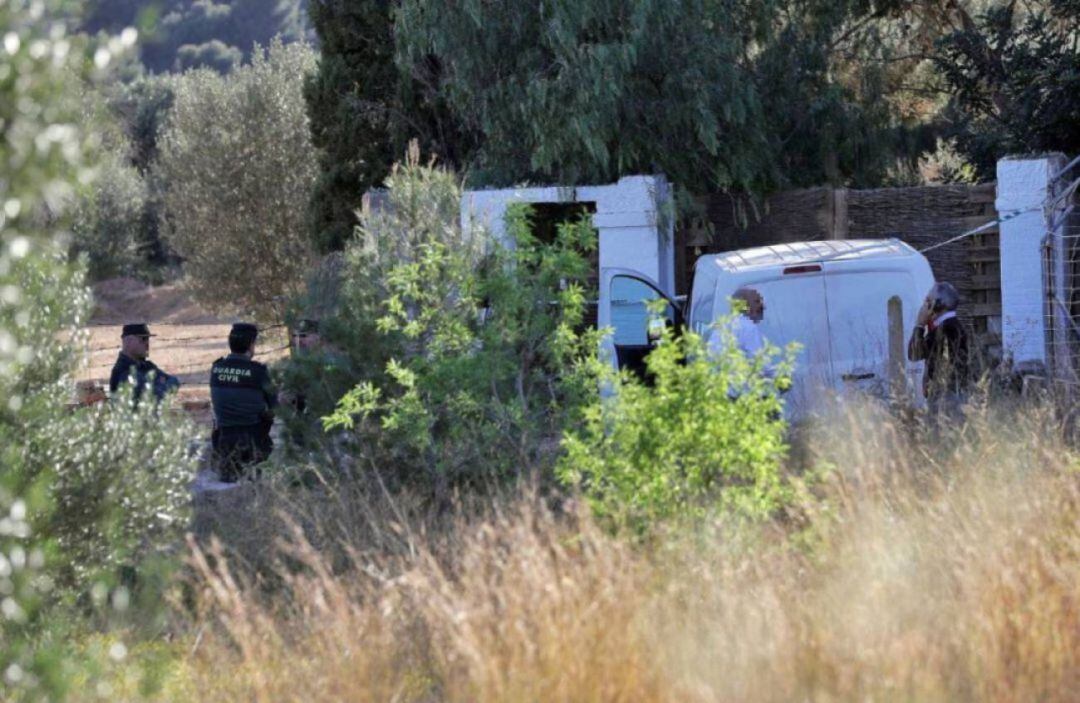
858	376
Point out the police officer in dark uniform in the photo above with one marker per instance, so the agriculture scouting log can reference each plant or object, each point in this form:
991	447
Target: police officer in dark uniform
132	365
243	400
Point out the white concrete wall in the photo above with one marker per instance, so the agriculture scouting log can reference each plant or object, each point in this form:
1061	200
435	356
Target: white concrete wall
1023	185
634	217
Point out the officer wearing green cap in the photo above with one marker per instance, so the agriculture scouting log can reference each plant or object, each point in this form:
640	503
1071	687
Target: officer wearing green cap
132	365
243	401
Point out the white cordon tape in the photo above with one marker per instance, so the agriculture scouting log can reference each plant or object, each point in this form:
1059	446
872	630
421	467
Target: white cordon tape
982	228
1065	170
1048	208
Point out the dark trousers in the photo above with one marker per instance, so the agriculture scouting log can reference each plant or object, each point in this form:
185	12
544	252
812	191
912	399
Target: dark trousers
238	449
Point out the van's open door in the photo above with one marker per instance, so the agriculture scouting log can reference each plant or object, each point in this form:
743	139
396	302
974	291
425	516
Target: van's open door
625	311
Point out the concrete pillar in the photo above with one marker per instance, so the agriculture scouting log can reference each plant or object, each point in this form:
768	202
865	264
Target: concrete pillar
636	222
1023	187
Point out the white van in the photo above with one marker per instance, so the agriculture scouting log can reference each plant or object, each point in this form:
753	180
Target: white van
850	304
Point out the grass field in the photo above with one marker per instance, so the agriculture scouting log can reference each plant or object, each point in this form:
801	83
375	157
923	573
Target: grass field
923	566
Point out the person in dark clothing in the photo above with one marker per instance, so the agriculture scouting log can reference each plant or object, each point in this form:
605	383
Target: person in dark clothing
132	365
243	401
940	340
305	342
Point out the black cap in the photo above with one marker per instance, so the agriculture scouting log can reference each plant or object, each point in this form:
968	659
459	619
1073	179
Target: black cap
307	327
136	330
244	329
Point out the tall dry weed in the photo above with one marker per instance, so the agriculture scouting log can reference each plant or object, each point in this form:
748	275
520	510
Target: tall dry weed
930	565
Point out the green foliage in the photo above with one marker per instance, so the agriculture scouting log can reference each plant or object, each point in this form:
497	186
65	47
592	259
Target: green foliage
35	101
1013	75
89	494
705	437
721	94
486	365
53	460
120	488
108	222
138	108
715	94
237	167
422	205
214	54
364	111
117	222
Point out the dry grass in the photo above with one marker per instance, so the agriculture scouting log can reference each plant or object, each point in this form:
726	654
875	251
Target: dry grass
943	569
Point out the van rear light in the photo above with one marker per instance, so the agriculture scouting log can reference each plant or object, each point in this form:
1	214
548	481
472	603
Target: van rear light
806	268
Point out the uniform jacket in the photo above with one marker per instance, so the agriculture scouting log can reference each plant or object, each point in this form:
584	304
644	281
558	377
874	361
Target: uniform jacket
139	371
241	392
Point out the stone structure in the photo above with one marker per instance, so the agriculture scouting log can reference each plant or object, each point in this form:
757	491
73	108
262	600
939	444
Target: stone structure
634	219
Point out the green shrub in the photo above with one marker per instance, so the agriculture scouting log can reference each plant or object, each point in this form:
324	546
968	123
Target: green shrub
485	364
51	459
139	108
120	486
109	220
93	497
237	167
707	435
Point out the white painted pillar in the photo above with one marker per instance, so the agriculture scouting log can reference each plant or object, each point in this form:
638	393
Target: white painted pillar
635	219
1023	186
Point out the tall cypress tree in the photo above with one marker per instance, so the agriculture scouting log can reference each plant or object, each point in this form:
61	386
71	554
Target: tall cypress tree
364	111
348	101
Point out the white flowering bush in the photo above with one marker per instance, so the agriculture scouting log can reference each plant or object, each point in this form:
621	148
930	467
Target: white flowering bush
81	492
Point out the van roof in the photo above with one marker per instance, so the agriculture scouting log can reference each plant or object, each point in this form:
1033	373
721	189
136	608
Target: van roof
809	252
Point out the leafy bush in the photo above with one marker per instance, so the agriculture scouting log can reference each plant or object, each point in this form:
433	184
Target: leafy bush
138	109
1011	76
49	456
108	221
120	487
214	54
707	435
485	364
237	165
86	492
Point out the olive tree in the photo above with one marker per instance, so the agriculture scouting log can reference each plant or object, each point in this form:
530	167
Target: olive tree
83	492
237	165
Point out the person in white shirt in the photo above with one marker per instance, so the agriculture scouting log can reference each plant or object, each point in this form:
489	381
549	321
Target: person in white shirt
745	332
744	327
